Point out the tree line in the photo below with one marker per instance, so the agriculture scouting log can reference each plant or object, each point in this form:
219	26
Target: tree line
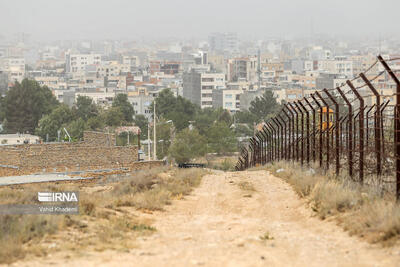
184	130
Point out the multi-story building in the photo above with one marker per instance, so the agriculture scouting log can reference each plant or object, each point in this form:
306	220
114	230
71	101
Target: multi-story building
132	61
111	68
228	99
15	68
141	101
337	66
166	67
78	62
242	69
198	87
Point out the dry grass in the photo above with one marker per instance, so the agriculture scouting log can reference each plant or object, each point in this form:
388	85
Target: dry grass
224	163
361	210
101	224
16	230
152	191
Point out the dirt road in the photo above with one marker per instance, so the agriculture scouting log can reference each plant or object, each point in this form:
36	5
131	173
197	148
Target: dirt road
220	224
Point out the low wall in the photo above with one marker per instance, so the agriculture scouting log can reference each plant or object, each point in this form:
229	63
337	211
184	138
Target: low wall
99	138
26	159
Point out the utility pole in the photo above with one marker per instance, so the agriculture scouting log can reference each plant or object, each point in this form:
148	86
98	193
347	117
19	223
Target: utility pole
259	68
148	141
155	140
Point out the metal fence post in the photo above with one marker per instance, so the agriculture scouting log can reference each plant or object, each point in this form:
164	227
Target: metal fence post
302	132
291	132
361	130
349	134
367	123
327	130
296	143
283	136
278	135
320	129
273	141
268	149
307	131
377	124
287	138
337	123
396	124
314	128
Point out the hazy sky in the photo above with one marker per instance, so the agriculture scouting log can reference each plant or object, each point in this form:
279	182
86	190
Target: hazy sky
130	19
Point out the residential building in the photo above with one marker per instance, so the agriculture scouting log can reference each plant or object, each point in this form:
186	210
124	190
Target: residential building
14	67
337	66
198	87
242	69
228	99
78	62
141	101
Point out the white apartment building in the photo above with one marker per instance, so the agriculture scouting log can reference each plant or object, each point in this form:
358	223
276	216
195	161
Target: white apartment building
340	66
228	99
78	62
111	68
198	87
131	61
14	67
242	69
210	82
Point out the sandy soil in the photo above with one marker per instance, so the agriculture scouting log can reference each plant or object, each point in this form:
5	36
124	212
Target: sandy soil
220	224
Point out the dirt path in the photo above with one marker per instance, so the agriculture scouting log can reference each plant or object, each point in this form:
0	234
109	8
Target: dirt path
220	224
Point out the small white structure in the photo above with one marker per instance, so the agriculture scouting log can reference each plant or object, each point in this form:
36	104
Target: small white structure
18	139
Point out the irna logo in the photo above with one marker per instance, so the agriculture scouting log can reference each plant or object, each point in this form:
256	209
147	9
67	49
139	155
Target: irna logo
58	196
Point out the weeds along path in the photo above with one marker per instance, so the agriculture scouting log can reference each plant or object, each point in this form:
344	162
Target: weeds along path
246	218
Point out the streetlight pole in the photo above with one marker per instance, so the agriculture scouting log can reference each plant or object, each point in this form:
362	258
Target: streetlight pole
148	141
155	140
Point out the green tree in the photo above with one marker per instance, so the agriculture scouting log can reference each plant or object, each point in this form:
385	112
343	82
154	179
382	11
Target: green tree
53	122
225	116
95	123
165	102
142	122
121	101
2	109
177	109
187	144
265	106
25	104
245	117
113	116
85	108
76	128
164	131
243	130
221	139
204	119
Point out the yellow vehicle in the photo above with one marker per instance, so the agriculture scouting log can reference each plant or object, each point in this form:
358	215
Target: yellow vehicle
325	116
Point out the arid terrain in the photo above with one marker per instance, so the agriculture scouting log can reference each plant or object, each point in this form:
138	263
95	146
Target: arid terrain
248	218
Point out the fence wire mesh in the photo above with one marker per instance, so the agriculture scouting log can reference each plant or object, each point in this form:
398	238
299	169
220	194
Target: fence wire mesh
354	128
